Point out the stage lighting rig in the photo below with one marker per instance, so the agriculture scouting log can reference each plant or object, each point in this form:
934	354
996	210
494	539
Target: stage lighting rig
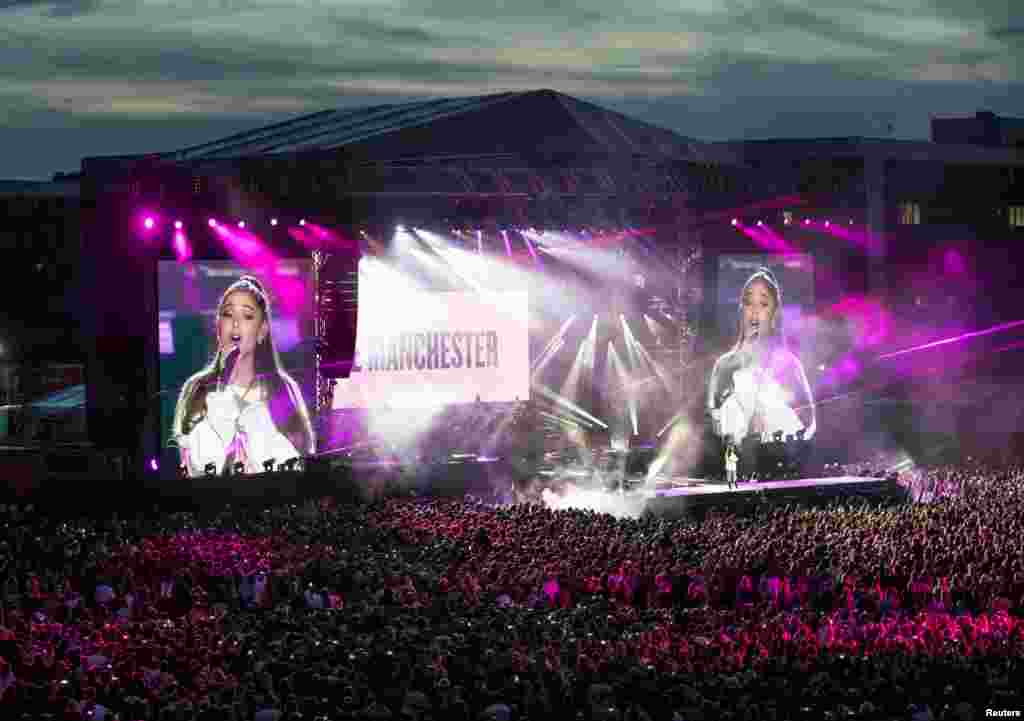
238	469
268	465
210	469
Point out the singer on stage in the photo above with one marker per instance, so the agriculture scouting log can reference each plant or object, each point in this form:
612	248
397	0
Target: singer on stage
759	387
242	407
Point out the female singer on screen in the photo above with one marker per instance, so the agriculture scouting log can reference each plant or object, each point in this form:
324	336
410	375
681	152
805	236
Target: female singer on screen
243	406
759	387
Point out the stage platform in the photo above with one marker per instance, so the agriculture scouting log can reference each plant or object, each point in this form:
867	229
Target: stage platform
692	496
56	476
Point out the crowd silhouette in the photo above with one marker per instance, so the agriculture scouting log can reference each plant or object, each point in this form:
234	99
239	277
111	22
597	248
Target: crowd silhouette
430	608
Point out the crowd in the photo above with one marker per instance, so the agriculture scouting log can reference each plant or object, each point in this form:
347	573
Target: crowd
411	608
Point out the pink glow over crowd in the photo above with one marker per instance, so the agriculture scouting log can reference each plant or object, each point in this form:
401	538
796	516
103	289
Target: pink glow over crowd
421	608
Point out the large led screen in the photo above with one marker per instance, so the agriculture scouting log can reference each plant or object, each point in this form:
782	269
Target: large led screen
236	364
759	387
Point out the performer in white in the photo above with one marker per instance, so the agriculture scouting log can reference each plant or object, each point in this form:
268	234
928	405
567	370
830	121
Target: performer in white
730	465
760	387
242	407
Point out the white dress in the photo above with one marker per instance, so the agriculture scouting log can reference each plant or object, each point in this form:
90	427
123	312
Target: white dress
232	422
756	388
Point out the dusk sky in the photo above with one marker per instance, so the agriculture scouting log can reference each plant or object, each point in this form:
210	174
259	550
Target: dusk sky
105	77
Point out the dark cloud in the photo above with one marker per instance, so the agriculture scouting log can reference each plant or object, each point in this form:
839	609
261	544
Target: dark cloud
847	108
823	69
544	13
766	16
402	35
57	8
1013	33
1001	19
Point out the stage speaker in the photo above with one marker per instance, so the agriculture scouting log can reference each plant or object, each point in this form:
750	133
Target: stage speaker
116	392
339	313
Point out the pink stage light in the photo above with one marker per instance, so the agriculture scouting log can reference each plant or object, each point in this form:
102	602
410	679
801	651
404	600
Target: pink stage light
181	247
828	223
807	221
212	223
178	225
302	222
760	223
241	224
273	222
149	222
735	222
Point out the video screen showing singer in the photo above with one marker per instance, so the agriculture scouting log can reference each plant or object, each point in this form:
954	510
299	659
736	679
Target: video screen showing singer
759	387
243	407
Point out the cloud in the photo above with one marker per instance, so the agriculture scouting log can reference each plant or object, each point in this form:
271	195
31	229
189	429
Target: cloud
1012	33
57	8
737	68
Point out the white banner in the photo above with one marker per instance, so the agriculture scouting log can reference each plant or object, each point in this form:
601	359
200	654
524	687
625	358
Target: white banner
419	349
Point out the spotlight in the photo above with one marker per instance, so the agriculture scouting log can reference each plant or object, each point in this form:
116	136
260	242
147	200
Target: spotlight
399	228
241	224
148	223
178	225
273	221
154	465
735	221
807	221
760	223
851	222
212	223
302	221
828	223
268	465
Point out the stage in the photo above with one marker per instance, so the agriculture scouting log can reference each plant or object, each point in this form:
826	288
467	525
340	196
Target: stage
690	496
52	474
679	497
679	487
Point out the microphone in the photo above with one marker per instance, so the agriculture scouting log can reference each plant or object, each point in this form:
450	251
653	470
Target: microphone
753	354
229	365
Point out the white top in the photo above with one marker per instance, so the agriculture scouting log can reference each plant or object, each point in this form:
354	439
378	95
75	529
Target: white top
756	389
730	461
231	422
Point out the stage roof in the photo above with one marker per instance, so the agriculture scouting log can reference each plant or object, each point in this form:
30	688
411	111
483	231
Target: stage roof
532	123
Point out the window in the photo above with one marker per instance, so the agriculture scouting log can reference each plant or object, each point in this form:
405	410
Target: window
1016	216
910	213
